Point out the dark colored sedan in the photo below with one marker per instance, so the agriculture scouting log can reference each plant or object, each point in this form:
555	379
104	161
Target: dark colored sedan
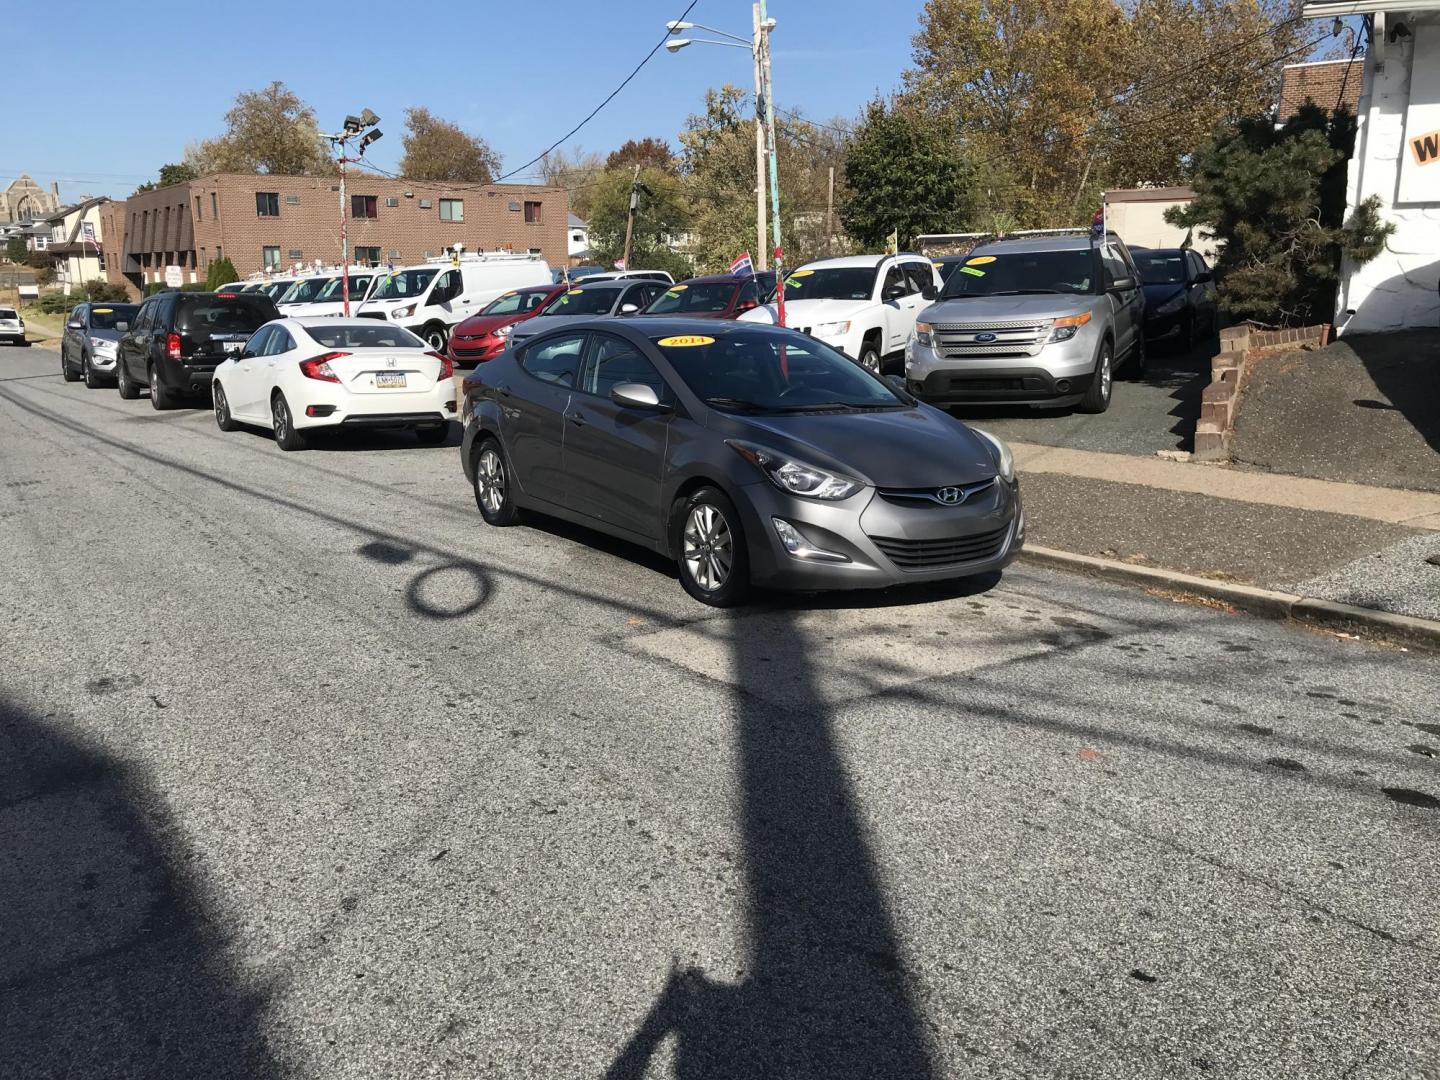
747	453
722	296
483	336
1180	301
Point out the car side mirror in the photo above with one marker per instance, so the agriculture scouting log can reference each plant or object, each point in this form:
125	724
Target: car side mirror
121	327
629	309
1122	284
633	395
1204	276
929	292
74	324
894	292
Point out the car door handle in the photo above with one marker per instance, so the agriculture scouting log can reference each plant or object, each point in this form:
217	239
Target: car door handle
503	390
577	418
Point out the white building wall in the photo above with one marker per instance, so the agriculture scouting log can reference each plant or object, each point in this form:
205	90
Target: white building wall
1398	288
1143	224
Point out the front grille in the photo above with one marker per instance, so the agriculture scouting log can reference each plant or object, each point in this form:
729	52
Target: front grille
1006	337
947	551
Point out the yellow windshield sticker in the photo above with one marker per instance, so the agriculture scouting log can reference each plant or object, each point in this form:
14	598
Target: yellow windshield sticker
686	341
802	273
972	271
101	310
677	288
980	260
574	292
506	296
937	265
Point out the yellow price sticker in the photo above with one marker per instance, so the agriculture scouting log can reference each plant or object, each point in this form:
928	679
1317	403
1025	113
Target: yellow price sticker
102	310
685	341
677	288
802	273
980	260
506	296
574	292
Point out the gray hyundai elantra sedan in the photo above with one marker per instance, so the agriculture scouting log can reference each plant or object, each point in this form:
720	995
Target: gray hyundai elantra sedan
752	455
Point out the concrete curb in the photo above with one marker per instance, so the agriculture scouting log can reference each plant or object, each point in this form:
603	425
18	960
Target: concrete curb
1269	603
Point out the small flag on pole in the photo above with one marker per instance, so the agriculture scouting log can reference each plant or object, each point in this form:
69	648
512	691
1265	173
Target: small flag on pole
743	266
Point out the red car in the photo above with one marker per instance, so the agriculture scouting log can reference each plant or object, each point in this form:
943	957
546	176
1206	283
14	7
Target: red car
484	336
721	296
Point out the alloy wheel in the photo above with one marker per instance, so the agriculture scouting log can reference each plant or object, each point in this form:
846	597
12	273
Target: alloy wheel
281	417
221	409
708	548
1105	375
490	472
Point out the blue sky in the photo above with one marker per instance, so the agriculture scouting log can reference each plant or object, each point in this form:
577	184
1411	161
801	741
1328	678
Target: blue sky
117	99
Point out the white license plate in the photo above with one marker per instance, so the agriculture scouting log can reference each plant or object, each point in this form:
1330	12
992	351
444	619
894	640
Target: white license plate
389	380
232	347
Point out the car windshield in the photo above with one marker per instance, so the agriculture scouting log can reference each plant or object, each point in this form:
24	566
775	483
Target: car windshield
333	288
1160	267
369	335
831	283
275	289
403	283
710	297
582	302
518	302
105	318
305	290
770	370
1010	273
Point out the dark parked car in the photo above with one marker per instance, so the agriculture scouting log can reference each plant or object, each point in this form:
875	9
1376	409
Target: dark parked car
1180	301
178	339
722	296
92	332
747	453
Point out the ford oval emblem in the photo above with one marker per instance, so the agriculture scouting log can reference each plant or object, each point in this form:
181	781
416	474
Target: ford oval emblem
984	337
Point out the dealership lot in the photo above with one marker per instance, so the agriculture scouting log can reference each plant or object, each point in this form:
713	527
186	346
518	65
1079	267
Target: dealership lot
508	803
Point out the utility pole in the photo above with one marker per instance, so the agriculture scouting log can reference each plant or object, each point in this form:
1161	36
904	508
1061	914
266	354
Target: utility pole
769	87
830	211
354	125
630	217
760	261
344	239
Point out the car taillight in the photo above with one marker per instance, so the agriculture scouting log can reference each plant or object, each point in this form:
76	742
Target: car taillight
447	369
318	367
172	346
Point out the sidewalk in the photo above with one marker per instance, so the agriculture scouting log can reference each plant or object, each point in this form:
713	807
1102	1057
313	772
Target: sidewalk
1352	543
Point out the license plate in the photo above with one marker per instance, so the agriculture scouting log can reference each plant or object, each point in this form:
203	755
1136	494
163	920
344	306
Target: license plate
389	380
232	347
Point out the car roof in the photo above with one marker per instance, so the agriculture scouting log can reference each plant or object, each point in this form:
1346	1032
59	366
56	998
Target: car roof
1037	243
715	279
868	262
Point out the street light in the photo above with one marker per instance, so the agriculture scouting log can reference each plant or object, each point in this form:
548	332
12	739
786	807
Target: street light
353	126
759	46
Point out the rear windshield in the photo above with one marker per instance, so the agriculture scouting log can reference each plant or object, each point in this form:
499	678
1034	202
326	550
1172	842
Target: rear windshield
105	318
1018	273
8	313
302	292
594	301
240	313
403	283
376	336
517	303
679	299
1160	267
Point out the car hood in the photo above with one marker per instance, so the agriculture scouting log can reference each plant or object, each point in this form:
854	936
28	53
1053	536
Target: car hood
541	323
891	448
986	308
809	312
1155	295
479	325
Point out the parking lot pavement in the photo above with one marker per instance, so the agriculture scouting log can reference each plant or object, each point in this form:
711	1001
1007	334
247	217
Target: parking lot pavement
305	772
1156	412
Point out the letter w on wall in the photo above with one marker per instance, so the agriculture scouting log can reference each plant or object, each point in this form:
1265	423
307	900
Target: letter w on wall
1426	148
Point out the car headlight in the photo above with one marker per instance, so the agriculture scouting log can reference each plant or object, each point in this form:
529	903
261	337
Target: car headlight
402	312
830	329
797	477
1065	328
922	333
503	331
1004	459
1171	306
100	344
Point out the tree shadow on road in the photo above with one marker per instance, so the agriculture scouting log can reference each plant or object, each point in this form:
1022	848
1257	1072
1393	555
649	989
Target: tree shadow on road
109	962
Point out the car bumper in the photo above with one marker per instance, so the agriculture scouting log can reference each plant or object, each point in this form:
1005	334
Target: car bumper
1164	327
420	408
878	543
1058	374
477	352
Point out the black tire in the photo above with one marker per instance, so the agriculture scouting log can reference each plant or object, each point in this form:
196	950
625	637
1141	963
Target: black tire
1139	359
70	376
161	397
92	380
433	436
128	390
494	488
286	437
223	420
688	535
436	335
870	358
1097	394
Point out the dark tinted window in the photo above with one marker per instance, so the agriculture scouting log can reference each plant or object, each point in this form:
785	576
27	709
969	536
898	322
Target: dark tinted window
999	272
8	313
921	276
1161	267
242	313
710	296
516	303
257	344
374	335
594	300
555	360
105	316
614	361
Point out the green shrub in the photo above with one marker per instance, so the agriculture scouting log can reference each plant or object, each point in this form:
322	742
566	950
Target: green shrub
222	272
102	292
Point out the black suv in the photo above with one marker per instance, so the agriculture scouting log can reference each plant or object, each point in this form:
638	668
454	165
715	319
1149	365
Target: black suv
178	338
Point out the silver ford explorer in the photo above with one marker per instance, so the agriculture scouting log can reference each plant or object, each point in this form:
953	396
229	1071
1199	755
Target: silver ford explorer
1041	320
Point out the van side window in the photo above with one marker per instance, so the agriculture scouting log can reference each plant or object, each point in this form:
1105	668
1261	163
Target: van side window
447	288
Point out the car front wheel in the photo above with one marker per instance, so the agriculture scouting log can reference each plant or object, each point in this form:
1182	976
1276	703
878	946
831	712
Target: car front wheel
709	544
70	376
870	358
1097	395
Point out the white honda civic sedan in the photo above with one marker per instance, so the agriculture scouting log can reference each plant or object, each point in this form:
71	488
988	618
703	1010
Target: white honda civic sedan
299	374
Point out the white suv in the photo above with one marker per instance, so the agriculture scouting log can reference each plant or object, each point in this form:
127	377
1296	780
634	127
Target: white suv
863	305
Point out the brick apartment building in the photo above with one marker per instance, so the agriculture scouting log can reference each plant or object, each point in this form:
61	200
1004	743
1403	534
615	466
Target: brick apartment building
1330	84
264	222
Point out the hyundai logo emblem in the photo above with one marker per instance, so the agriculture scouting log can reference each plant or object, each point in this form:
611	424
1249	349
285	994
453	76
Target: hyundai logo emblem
950	495
984	337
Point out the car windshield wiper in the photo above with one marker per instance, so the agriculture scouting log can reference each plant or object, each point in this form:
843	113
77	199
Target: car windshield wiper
736	403
1027	292
845	406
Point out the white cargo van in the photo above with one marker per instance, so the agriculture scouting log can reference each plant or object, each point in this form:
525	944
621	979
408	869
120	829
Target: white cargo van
305	295
431	298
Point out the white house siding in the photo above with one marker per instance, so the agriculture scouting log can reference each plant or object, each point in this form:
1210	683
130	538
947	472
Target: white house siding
1398	288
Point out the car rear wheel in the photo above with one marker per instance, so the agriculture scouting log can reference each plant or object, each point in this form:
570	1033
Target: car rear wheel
160	397
223	420
436	336
493	493
710	547
70	376
1097	395
128	390
286	437
1139	359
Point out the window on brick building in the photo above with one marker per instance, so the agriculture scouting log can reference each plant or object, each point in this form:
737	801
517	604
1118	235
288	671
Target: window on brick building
532	213
452	209
362	206
267	204
367	256
198	216
271	256
214	206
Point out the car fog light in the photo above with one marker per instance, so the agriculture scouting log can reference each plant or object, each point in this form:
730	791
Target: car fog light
797	546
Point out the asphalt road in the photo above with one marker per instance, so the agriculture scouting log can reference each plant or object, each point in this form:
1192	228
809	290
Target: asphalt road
304	772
